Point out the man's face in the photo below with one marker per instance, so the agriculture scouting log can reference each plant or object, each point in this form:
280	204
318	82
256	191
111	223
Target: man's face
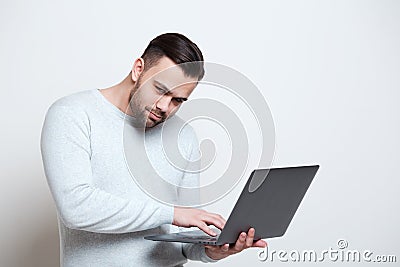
159	92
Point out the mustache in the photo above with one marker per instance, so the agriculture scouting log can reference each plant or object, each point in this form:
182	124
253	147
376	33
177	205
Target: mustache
159	114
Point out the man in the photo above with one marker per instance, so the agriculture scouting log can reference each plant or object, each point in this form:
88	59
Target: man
103	215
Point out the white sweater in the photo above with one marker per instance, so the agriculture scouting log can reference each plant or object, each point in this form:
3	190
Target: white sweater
103	215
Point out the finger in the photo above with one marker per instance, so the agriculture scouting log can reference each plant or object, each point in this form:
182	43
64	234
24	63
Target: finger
202	226
214	219
240	242
221	219
215	216
225	247
260	244
250	237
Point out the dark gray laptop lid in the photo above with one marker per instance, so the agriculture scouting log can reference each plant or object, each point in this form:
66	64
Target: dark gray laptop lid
268	202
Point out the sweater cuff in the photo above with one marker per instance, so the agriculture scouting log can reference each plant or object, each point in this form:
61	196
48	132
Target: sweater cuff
166	214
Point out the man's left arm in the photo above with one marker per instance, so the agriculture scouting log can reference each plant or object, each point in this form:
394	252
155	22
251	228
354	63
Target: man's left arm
208	253
194	252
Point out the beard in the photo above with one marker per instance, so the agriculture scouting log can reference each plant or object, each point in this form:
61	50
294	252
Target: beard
140	112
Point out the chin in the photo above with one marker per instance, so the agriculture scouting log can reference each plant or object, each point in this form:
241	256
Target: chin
150	123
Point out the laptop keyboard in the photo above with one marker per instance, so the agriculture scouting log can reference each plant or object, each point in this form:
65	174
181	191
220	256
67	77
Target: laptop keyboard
199	235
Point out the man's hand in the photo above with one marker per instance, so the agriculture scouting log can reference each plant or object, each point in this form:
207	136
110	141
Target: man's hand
244	241
188	217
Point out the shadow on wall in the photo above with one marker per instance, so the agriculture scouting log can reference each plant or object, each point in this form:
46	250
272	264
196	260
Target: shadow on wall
29	228
42	247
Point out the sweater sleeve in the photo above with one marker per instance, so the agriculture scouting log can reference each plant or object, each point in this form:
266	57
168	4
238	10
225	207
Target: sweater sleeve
66	153
194	252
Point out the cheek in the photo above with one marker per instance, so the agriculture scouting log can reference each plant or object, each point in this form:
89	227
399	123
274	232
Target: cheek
148	97
174	110
143	98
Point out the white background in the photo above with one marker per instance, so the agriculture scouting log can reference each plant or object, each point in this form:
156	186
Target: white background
328	69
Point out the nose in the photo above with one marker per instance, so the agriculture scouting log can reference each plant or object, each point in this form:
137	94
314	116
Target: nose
163	103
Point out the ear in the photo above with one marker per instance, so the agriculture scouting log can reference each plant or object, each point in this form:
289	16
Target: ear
137	69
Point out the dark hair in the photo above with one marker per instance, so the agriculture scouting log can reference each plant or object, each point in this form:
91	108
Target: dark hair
179	49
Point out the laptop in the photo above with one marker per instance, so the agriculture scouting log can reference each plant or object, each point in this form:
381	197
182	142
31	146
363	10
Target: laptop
267	203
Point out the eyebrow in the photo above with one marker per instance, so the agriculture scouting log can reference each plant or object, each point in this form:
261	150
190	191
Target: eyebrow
167	90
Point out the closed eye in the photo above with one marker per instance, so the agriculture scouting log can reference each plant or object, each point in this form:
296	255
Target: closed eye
180	100
165	91
161	90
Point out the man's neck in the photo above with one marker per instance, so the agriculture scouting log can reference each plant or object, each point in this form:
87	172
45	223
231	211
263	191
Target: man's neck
118	94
